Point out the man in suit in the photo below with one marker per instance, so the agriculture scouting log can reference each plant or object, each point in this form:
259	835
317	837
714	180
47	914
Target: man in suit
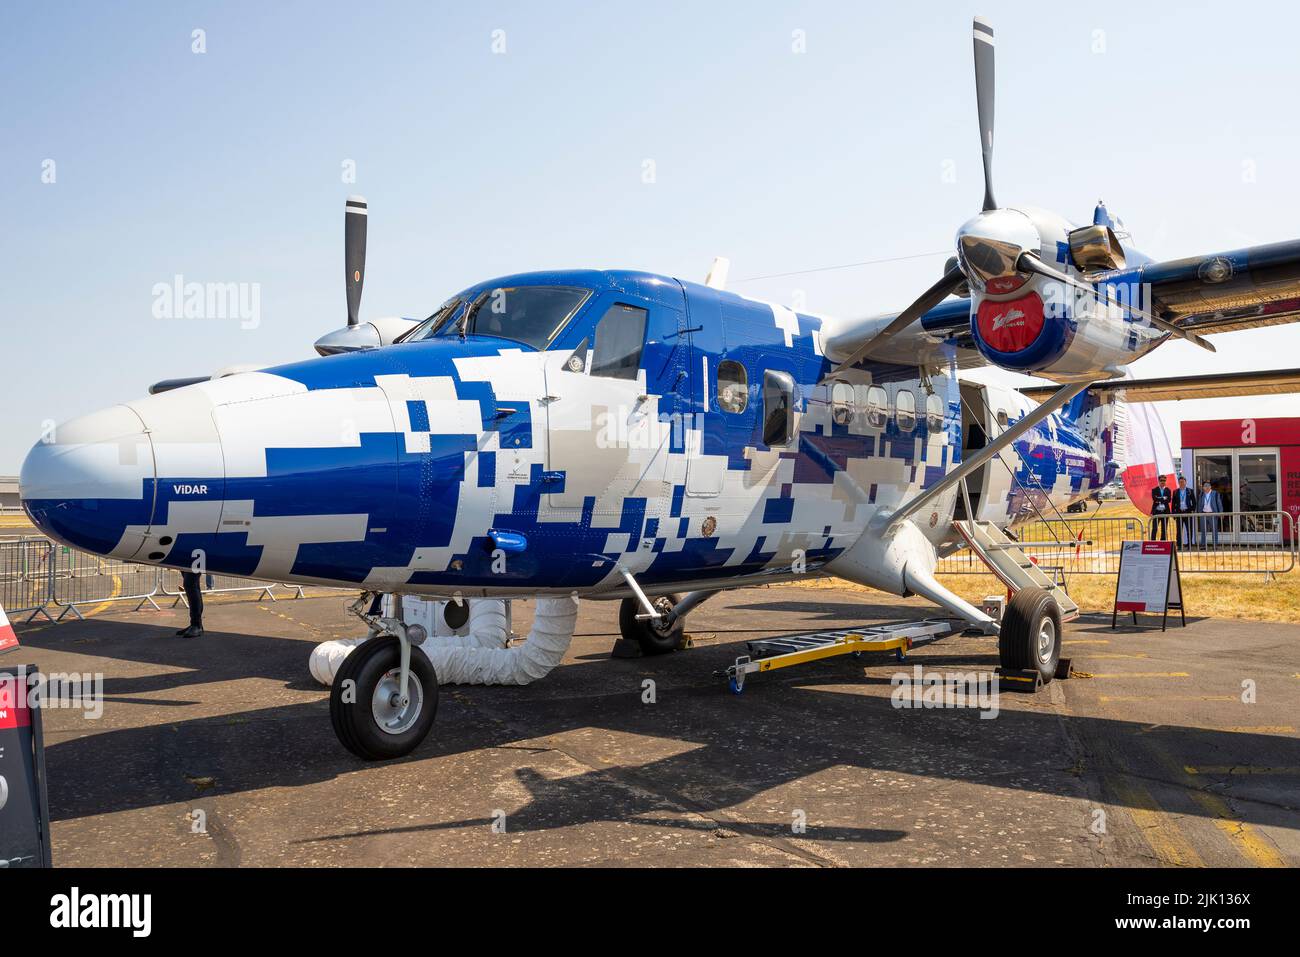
1185	505
1161	497
1208	504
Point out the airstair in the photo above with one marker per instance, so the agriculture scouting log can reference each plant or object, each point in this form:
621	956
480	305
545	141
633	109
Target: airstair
1005	559
771	654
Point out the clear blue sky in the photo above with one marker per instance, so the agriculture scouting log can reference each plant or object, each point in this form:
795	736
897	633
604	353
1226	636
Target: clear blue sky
226	166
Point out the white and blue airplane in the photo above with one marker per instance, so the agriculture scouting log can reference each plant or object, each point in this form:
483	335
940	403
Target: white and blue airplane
614	434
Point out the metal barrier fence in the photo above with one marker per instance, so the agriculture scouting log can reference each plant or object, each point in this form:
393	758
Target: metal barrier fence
39	577
81	579
1247	543
26	576
169	586
1233	542
1082	546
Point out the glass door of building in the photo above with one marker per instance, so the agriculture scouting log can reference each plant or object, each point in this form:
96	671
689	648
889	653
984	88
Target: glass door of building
1247	481
1257	495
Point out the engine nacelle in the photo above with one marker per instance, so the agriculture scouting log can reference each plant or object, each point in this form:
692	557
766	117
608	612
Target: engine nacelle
1034	324
1047	328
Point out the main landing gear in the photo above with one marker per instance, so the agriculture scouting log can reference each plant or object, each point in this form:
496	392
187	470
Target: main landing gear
1030	638
656	636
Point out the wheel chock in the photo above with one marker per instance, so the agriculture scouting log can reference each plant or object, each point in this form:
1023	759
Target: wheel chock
1013	679
626	648
1063	668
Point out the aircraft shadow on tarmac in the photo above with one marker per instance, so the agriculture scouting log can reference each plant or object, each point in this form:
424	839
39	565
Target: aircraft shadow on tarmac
781	731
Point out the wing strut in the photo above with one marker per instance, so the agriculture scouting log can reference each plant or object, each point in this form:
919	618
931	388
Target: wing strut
1058	399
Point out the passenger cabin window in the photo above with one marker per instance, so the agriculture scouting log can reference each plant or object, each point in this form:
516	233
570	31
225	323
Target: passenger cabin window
905	406
778	408
934	409
877	407
533	315
733	386
1002	418
842	408
620	334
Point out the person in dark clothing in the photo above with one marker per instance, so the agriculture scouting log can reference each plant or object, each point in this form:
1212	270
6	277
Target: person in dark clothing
1161	499
1185	507
190	581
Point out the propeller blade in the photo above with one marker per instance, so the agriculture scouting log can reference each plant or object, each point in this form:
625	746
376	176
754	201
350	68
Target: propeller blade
983	35
354	252
936	294
1028	262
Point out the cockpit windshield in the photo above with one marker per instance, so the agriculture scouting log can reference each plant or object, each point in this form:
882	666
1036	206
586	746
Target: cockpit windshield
533	315
429	327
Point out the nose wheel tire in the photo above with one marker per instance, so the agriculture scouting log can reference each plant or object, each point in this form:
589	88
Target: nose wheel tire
653	637
369	715
1030	637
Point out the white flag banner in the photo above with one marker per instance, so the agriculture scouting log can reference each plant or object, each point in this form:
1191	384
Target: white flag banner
1149	455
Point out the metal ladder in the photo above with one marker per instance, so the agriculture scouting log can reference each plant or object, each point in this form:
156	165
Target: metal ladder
771	654
1011	565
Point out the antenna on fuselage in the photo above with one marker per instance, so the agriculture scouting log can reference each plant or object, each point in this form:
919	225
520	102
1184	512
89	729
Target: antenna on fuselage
717	277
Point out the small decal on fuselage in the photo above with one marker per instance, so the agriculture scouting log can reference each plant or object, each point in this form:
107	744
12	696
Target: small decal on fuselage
189	490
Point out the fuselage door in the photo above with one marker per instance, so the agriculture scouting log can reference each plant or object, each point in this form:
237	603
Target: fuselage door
614	398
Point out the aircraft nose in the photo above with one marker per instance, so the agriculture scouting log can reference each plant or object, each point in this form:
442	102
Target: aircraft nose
90	483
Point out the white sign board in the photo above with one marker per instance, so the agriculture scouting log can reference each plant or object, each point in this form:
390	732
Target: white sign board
1148	580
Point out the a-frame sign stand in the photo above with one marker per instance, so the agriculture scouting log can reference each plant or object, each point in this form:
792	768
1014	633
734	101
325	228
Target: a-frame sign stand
1149	580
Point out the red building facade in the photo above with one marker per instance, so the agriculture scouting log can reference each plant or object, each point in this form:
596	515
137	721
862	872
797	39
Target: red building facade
1254	465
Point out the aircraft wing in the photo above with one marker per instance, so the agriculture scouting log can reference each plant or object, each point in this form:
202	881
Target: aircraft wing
1222	292
1211	386
941	336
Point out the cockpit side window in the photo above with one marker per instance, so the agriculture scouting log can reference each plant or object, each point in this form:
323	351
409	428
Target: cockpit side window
620	334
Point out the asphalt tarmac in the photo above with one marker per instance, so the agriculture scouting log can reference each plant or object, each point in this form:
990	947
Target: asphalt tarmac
1175	748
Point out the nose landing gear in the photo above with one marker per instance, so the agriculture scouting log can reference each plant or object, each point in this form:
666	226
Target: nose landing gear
371	716
384	698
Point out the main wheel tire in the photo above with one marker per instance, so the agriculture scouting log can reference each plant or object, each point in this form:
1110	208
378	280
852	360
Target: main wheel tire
367	718
1030	636
647	632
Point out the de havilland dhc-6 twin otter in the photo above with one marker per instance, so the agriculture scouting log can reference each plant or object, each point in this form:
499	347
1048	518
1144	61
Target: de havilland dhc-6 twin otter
613	434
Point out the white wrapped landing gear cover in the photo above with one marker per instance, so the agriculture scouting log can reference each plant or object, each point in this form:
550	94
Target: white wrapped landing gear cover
480	656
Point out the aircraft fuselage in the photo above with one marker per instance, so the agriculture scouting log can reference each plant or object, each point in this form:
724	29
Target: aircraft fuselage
679	432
